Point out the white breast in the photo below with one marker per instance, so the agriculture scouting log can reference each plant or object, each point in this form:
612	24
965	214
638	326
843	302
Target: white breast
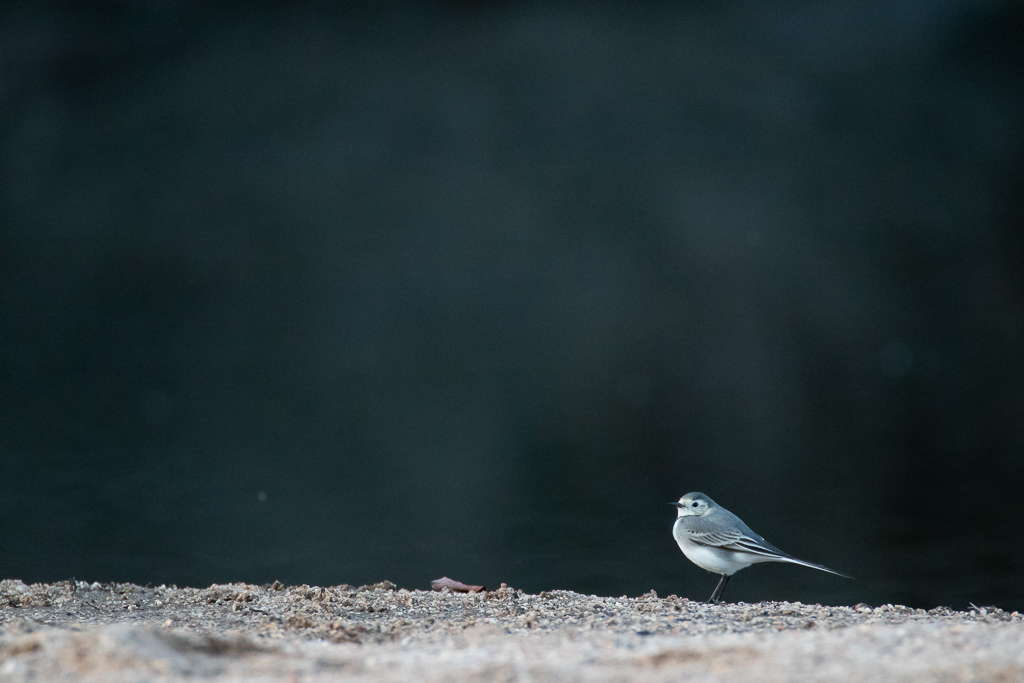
716	560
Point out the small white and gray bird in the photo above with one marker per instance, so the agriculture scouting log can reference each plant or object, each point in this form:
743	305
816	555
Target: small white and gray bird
716	540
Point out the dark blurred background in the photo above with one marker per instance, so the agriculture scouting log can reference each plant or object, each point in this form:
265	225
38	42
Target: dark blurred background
340	293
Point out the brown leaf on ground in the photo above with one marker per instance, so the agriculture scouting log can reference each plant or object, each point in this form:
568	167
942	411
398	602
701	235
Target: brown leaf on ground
453	585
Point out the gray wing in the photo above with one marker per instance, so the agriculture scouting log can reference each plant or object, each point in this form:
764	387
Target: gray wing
722	529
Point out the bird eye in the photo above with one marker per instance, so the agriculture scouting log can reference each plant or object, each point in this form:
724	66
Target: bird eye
695	505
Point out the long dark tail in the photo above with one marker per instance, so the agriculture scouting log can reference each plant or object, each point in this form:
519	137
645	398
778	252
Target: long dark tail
793	560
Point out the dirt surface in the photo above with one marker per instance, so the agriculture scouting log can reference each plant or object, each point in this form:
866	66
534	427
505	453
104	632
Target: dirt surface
124	632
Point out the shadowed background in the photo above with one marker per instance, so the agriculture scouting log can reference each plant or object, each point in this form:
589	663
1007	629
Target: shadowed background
337	294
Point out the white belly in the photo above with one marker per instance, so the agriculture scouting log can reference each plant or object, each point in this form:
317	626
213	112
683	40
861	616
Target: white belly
716	560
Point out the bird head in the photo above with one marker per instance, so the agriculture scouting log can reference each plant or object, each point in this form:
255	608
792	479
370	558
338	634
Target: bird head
695	504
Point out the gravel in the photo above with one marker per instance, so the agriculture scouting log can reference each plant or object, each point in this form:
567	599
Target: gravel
92	631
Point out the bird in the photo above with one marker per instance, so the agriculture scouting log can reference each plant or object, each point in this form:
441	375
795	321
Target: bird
718	541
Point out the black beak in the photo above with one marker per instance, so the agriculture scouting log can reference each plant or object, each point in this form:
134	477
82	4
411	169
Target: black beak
677	504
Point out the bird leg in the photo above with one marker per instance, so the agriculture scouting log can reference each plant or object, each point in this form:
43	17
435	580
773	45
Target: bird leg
716	596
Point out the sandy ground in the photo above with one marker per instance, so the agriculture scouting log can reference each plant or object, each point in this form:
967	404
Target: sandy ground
123	632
